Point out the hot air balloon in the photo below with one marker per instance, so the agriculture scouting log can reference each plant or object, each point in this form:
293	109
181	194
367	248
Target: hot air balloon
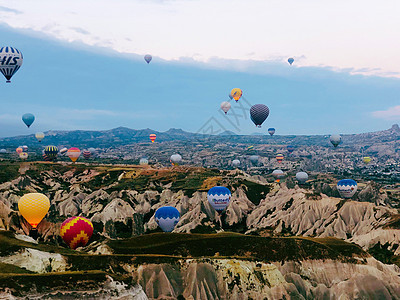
10	61
73	154
24	148
225	106
51	152
230	96
259	113
63	151
236	94
143	161
39	136
366	160
148	58
86	154
33	207
46	158
278	174
279	158
176	159
167	217
301	177
28	119
219	197
23	155
290	148
235	163
271	131
19	150
92	150
347	188
152	137
335	140
76	231
3	151
254	159
290	60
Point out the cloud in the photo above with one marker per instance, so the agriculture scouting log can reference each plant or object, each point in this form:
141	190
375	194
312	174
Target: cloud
392	113
80	30
10	10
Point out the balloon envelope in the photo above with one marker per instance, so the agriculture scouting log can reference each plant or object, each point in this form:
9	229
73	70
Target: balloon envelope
86	154
148	58
347	188
39	136
278	174
3	151
290	148
254	159
28	119
63	150
33	207
366	160
259	113
19	150
335	140
301	177
176	159
23	155
236	163
219	197
290	60
271	131
152	137
225	106
236	93
76	231
167	217
143	161
73	154
51	152
279	158
10	61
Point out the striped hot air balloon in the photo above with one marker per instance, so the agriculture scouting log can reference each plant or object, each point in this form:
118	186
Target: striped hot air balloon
279	158
10	61
33	207
152	137
51	152
219	197
46	158
73	154
167	217
76	231
86	154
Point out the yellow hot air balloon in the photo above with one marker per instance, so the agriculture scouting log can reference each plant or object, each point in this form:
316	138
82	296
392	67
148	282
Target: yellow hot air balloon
33	207
366	160
236	93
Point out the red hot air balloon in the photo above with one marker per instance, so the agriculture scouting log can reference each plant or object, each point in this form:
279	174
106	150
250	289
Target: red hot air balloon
152	137
76	231
279	158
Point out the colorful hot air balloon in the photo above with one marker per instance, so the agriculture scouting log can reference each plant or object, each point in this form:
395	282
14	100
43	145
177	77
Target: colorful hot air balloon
73	154
290	148
63	151
219	197
176	159
10	61
39	136
225	106
259	113
86	154
33	207
290	60
347	188
254	159
235	163
51	152
23	155
19	150
152	137
301	177
46	158
236	93
148	58
271	131
28	119
366	160
279	158
167	217
76	231
278	174
143	161
335	140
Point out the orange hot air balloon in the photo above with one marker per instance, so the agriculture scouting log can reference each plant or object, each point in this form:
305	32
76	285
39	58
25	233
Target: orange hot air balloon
33	207
19	150
279	158
152	137
236	93
76	231
73	153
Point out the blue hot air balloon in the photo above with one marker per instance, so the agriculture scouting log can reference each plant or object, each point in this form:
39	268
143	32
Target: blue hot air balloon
167	217
230	96
290	60
219	197
10	61
28	119
290	148
258	114
148	58
271	131
347	188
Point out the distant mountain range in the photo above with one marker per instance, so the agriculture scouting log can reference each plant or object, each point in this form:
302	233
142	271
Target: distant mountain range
125	136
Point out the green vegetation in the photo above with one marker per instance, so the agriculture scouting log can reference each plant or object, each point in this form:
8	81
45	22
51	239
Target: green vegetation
8	171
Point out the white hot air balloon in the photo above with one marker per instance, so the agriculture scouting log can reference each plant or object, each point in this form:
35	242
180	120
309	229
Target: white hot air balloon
225	106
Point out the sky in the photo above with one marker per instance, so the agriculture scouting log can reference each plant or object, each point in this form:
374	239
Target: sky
84	69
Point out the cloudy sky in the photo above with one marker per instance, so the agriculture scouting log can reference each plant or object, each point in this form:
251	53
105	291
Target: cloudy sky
83	64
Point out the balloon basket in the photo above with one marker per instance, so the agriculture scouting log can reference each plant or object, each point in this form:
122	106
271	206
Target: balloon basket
8	81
